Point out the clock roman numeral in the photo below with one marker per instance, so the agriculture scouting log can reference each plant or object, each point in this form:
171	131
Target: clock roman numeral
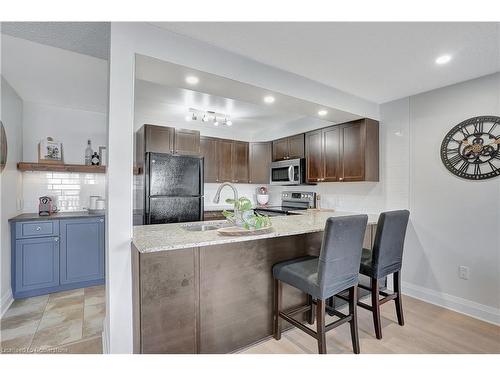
452	150
465	132
493	127
477	169
478	127
464	167
456	159
493	168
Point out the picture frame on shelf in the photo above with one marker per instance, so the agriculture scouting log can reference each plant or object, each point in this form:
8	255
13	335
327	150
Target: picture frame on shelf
50	151
103	155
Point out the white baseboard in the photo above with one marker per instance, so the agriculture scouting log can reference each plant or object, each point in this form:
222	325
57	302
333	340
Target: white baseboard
105	337
476	310
5	302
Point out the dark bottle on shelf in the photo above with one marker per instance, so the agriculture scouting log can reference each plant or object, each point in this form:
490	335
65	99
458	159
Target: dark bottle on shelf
95	159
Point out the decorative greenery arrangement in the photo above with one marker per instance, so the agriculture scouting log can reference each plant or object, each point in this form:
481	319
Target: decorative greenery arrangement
244	216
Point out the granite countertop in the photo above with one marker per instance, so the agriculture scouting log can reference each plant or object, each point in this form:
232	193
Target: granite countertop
219	207
164	237
55	216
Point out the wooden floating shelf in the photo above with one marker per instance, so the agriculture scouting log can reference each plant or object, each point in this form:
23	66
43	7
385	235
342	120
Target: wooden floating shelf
41	167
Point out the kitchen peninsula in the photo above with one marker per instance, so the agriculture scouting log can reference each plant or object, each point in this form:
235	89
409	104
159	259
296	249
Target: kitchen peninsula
199	292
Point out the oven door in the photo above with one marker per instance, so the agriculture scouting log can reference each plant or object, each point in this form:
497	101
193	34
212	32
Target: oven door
286	172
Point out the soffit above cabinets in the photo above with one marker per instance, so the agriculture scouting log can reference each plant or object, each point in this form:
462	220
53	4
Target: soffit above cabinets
161	87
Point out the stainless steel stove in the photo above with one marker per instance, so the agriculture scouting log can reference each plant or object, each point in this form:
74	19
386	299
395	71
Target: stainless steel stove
290	201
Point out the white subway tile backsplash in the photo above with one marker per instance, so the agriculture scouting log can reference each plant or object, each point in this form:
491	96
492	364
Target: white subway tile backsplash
70	191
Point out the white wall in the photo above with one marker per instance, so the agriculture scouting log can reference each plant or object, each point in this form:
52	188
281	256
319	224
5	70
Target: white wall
453	221
127	39
11	182
72	127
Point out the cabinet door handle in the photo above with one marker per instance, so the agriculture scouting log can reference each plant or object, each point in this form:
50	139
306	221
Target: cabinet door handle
38	228
341	178
56	239
101	220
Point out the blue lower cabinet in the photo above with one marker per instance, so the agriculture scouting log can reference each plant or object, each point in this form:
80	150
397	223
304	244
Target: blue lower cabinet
73	258
82	250
37	263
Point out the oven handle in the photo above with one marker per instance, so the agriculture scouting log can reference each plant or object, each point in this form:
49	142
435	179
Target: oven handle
290	173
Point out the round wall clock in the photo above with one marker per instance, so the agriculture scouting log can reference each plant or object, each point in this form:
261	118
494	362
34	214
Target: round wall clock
3	147
471	149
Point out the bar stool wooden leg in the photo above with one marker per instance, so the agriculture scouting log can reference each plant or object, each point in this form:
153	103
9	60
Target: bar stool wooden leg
353	302
311	313
278	295
376	308
320	324
399	304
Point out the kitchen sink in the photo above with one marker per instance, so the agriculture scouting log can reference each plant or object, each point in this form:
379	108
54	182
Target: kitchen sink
203	227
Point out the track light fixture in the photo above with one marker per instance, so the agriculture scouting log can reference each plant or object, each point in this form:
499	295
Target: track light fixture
206	116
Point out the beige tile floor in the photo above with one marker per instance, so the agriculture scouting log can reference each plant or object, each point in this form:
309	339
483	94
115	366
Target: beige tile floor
64	322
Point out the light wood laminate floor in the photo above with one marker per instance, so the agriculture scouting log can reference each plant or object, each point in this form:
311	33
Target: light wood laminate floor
428	329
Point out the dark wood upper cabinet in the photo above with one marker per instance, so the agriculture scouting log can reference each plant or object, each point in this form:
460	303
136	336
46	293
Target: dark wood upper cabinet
314	156
331	153
288	148
225	149
360	151
158	138
353	163
260	155
240	162
208	149
187	142
344	152
296	146
165	139
280	149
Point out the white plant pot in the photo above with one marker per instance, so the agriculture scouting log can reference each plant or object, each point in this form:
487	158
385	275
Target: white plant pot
262	199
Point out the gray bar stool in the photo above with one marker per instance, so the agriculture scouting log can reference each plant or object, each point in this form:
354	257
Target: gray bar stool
334	271
385	259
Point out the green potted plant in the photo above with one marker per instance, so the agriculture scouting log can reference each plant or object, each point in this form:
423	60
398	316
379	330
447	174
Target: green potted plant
243	215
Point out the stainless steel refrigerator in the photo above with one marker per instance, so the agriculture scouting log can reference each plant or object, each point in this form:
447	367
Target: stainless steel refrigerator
173	191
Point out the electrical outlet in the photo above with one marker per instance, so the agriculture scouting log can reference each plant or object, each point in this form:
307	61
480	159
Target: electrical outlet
463	272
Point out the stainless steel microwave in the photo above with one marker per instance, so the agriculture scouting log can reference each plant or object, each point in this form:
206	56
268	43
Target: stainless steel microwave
288	172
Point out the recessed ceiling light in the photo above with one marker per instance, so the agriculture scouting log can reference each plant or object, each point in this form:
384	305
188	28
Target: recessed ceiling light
192	80
269	99
322	112
443	59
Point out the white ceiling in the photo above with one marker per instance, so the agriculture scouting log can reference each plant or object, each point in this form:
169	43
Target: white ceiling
89	38
376	61
48	75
